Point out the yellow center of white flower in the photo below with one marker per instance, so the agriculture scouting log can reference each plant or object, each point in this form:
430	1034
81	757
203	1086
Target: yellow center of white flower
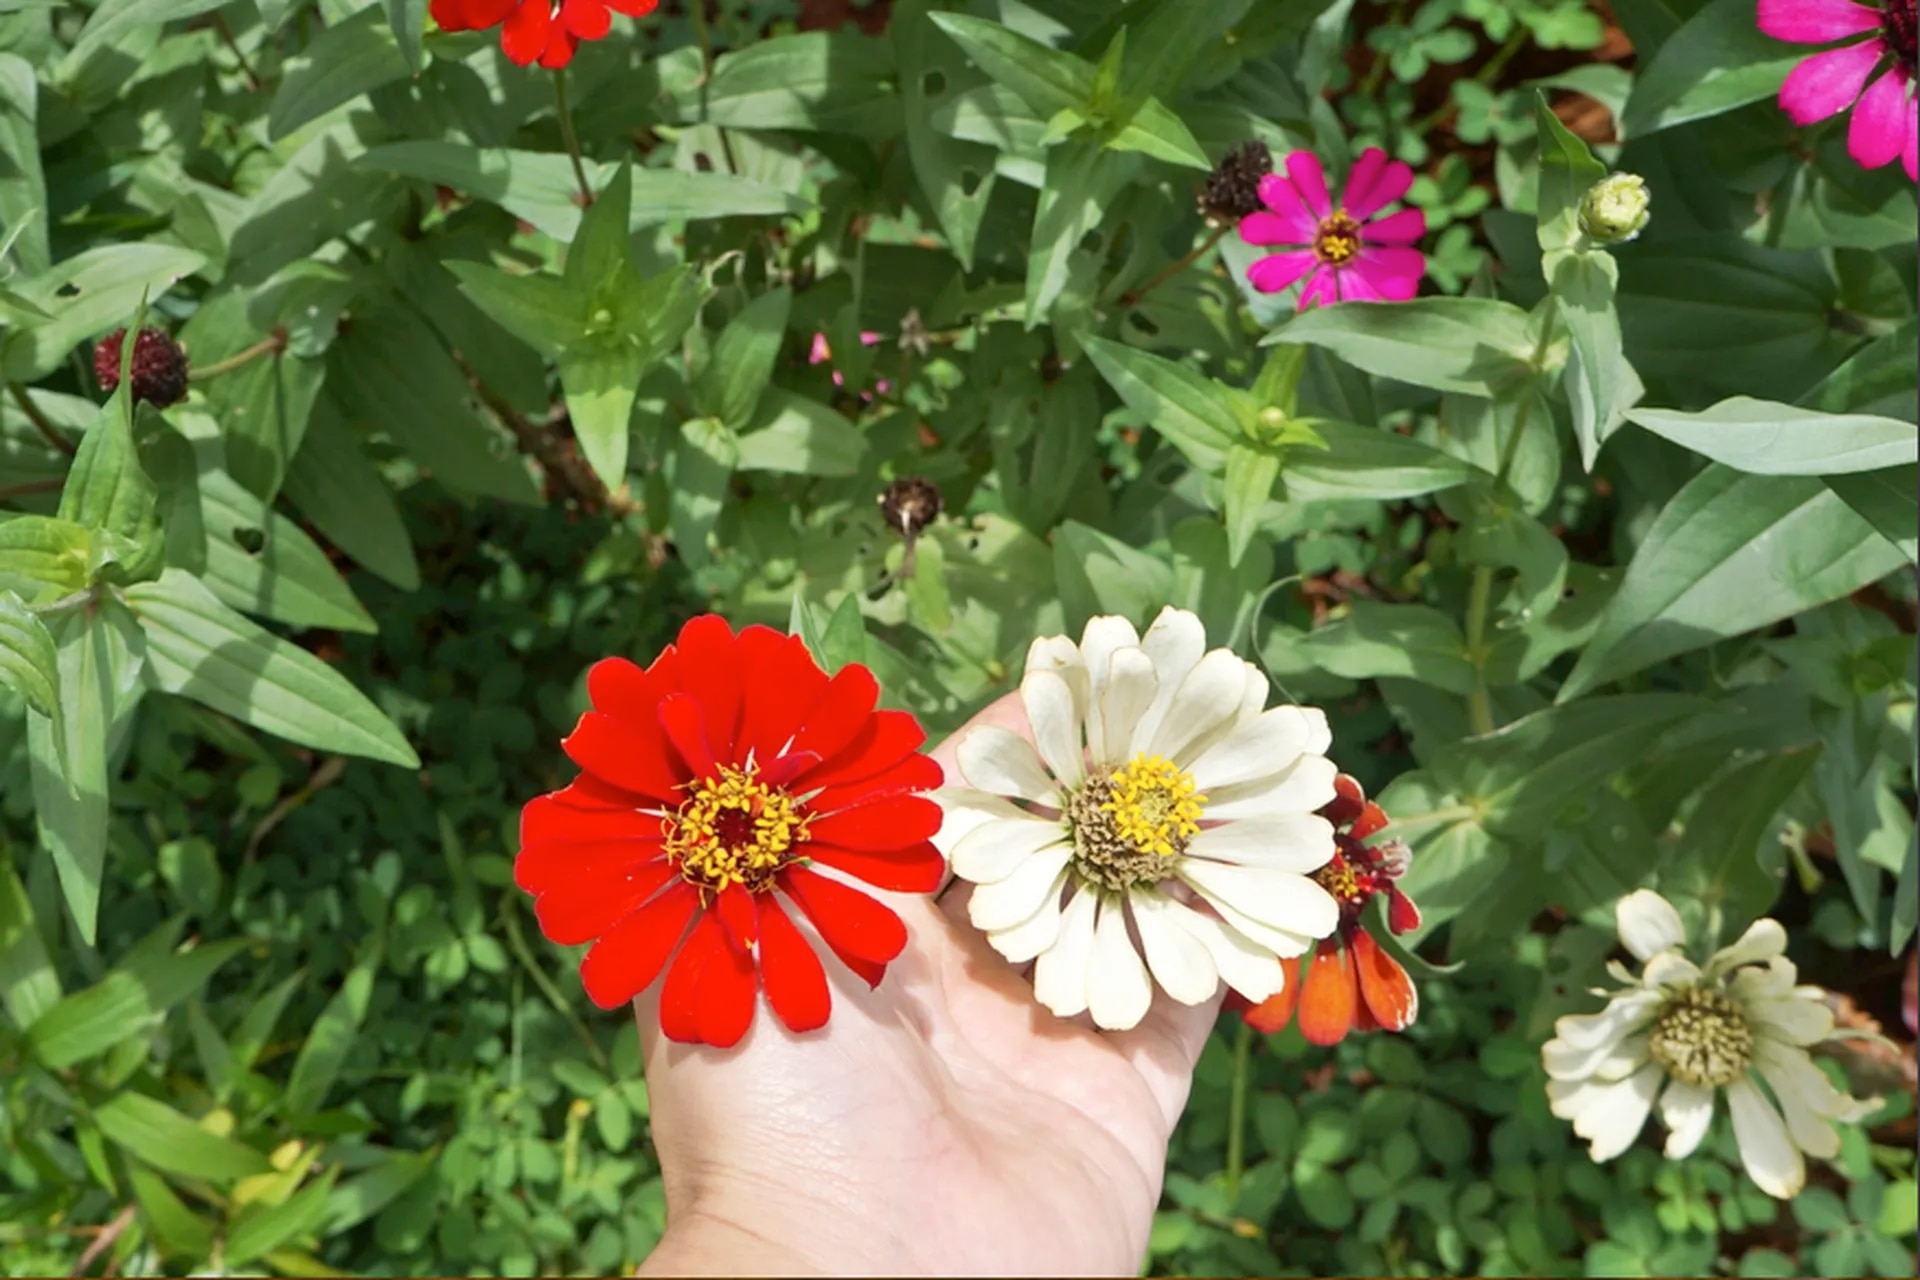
1701	1037
733	829
1129	825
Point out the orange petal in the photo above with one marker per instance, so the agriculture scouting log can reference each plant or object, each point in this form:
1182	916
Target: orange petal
1389	992
1328	997
1276	1011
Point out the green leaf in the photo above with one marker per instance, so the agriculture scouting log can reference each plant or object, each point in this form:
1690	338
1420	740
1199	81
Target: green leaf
108	490
818	81
1718	61
1726	834
178	1230
199	648
1250	476
1376	639
356	1199
703	461
1190	410
346	60
1886	500
539	310
957	177
601	377
795	434
330	1042
155	1133
1600	384
1877	378
268	405
87	295
29	987
742	361
260	1228
1475	345
1730	553
1367	462
42	558
1082	180
115	20
346	498
23	188
1455	858
279	572
1156	131
1762	437
124	1004
407	18
1047	80
100	662
599	257
29	664
1099	574
1567	171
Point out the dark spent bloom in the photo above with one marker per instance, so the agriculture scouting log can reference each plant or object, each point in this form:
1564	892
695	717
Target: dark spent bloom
909	505
1350	983
542	31
159	366
1232	190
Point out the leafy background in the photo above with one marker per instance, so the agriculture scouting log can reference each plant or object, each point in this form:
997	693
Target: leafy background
1601	560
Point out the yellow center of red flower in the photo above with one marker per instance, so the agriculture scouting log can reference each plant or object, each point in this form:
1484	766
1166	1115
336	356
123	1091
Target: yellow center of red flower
1341	879
733	829
1338	238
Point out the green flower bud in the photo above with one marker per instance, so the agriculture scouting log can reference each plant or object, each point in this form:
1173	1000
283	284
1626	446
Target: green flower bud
1614	210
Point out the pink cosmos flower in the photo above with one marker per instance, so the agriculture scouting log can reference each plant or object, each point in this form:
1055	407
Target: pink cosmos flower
1884	127
1345	252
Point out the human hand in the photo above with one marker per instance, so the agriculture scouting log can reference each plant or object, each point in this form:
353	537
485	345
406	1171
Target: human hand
945	1123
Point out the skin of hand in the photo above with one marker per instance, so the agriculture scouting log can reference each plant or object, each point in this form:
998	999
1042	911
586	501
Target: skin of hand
944	1124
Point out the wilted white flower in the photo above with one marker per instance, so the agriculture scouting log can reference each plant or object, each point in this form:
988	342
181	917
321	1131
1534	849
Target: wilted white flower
1736	1023
1159	777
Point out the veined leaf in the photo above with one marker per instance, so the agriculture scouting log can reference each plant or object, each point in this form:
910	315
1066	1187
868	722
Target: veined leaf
87	295
1048	80
1766	438
1187	408
345	60
1476	345
326	1048
155	1133
123	1004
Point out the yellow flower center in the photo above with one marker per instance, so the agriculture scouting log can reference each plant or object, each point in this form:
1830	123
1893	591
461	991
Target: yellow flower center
1338	238
1155	806
1340	879
1701	1037
733	829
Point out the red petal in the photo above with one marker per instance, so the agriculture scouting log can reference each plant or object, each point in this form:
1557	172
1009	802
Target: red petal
782	683
726	998
1328	995
892	822
887	738
524	37
583	909
587	19
790	971
735	909
679	998
1402	914
842	711
1372	820
629	956
915	773
682	720
850	921
1389	992
560	46
554	863
550	818
627	754
918	869
621	689
782	772
449	14
488	13
709	663
1276	1011
1348	800
634	8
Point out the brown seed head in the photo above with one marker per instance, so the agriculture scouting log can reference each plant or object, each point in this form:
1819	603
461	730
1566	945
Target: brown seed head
159	366
909	505
1232	190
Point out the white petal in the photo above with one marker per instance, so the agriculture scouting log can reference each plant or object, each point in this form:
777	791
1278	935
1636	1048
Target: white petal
1803	1092
1053	653
1610	1059
1203	708
1104	637
1649	924
1275	942
1179	962
1253	699
1264	747
1623	1016
1772	981
995	850
1795	1019
1006	903
1054	714
1060	974
1763	940
1003	763
1670	969
1034	935
1298	842
1301	789
1175	643
963	809
1610	1115
1686	1110
1249	969
1773	1162
1279	899
1131	685
1118	990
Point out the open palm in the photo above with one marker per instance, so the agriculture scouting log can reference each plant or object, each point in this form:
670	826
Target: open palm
943	1124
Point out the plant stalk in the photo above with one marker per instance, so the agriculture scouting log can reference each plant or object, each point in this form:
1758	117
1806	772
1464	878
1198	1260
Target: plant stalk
39	420
1133	297
273	344
570	138
1237	1111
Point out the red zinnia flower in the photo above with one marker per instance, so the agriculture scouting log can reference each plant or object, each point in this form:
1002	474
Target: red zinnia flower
1351	984
543	31
724	784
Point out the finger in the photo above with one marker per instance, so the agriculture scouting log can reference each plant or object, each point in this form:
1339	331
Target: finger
1166	1047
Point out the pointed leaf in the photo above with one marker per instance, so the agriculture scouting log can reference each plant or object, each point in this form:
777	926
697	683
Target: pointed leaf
1763	437
1250	476
1048	80
155	1133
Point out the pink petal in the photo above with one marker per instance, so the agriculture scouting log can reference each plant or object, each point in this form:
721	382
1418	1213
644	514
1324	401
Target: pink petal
1826	83
1389	185
1815	21
1265	229
1356	285
1879	128
1910	154
1278	195
1393	273
1403	227
1360	179
820	351
1310	180
1280	270
1322	287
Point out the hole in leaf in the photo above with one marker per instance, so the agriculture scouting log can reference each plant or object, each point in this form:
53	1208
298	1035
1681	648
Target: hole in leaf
934	83
1139	320
970	180
67	290
702	162
251	541
1093	241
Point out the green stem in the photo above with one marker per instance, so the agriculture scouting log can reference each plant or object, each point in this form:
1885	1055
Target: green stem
1133	297
1237	1111
273	344
571	139
50	485
39	420
517	943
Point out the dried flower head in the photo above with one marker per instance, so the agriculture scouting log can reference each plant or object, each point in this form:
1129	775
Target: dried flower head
159	366
1232	190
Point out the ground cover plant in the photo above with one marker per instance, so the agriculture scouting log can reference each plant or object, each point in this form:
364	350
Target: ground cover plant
1528	387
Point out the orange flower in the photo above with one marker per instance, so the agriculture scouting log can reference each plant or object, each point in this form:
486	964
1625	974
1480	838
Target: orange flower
1350	983
543	31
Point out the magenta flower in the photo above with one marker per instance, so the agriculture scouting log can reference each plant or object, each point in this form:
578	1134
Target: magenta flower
1345	252
1884	127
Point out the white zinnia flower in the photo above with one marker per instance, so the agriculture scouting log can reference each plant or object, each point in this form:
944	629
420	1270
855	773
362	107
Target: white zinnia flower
1736	1023
1157	777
